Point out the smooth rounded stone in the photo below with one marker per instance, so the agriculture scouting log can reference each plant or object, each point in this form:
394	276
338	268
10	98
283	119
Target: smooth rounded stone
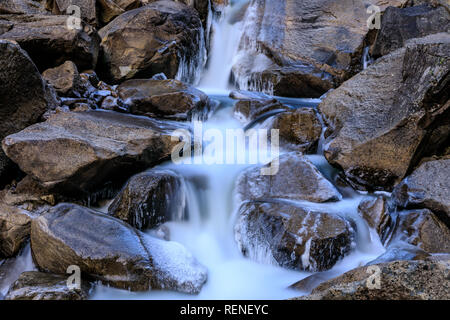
376	213
88	9
302	48
171	99
400	24
65	79
399	280
420	227
14	229
150	199
49	42
34	285
109	9
380	123
428	186
76	153
21	7
24	97
292	237
297	179
163	36
111	251
299	129
247	110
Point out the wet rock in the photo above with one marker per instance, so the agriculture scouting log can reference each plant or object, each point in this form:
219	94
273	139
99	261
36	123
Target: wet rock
399	25
380	123
163	36
14	229
114	104
24	97
21	7
302	48
34	285
75	153
170	99
109	9
65	79
292	237
427	187
111	251
311	282
400	250
420	227
299	130
49	42
88	9
376	213
149	199
296	179
399	280
247	110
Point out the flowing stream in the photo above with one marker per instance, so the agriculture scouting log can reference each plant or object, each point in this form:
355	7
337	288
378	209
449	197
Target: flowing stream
211	204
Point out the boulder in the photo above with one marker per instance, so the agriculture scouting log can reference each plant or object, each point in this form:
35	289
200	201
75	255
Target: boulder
111	251
149	199
76	153
427	187
34	285
376	213
49	42
292	237
380	122
65	79
109	9
24	96
399	25
302	48
398	280
21	7
299	129
170	99
14	229
164	36
88	9
420	227
297	179
247	110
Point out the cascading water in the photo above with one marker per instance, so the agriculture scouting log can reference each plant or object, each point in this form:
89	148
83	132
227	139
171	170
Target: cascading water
212	205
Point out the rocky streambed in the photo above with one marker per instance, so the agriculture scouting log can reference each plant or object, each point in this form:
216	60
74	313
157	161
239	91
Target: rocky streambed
91	112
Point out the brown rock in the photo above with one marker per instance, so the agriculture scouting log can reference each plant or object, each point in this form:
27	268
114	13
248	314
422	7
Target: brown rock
113	8
380	123
399	280
65	79
14	229
75	153
49	42
163	36
33	285
375	212
88	9
296	179
170	99
111	251
292	237
149	199
21	7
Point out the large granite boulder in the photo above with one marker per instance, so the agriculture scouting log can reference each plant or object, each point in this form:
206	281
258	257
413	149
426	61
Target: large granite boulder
24	96
400	24
111	251
76	153
169	99
149	199
34	285
164	36
381	122
292	237
303	48
297	179
427	187
398	280
49	42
